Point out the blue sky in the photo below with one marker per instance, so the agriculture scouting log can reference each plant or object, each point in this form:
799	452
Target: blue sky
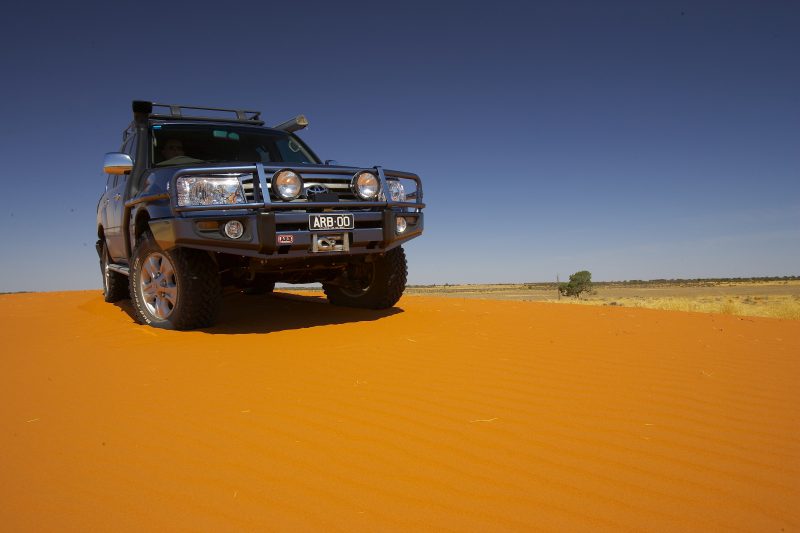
637	140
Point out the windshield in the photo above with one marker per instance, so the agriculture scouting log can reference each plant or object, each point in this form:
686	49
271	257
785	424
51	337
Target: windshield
181	144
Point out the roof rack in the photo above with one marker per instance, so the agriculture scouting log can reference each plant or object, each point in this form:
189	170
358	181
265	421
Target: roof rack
175	111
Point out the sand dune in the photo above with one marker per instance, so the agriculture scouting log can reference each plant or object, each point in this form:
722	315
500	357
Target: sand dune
441	414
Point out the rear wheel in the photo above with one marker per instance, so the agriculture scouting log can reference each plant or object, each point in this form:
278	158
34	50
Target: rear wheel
115	285
375	285
176	289
260	284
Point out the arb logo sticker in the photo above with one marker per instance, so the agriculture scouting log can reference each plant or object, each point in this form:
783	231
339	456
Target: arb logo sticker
285	239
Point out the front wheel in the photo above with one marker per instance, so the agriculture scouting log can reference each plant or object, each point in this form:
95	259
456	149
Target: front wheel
375	285
176	289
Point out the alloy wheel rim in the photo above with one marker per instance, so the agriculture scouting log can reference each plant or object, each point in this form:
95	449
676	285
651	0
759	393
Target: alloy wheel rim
158	285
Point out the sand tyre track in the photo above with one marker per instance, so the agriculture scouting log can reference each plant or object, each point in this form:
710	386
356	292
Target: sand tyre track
386	283
191	282
115	285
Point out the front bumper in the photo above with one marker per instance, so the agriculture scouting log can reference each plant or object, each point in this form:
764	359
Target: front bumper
266	233
280	229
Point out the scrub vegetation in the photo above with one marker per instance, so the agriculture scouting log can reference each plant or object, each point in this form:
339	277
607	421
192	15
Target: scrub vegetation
764	297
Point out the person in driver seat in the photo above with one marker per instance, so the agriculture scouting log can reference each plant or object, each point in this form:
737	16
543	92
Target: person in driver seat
173	154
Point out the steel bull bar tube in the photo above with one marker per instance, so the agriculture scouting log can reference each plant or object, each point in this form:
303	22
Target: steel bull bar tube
264	201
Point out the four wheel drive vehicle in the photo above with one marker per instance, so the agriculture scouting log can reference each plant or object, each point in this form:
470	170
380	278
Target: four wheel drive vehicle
193	203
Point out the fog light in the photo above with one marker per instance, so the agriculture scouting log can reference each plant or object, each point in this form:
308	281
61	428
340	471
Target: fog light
234	229
401	224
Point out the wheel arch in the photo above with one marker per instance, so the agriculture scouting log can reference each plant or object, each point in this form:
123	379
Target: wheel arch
141	223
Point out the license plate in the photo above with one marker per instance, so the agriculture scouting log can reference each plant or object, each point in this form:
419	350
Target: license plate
330	221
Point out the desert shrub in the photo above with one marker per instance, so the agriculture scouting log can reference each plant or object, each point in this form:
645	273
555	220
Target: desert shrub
578	283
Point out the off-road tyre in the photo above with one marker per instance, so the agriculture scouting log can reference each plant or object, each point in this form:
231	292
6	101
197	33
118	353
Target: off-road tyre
115	285
389	273
197	283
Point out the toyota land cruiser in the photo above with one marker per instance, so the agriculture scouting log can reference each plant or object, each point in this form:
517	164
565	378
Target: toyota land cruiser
194	202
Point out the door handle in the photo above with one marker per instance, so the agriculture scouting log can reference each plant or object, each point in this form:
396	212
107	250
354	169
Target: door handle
117	196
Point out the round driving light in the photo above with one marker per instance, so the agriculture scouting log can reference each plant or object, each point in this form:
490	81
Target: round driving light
287	185
401	224
234	229
365	185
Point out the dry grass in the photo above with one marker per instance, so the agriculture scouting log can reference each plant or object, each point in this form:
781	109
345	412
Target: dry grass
774	299
785	307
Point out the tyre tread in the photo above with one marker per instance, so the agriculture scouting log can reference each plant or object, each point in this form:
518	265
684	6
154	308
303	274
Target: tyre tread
117	284
201	292
391	273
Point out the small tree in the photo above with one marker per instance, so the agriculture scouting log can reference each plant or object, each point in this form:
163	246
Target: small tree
578	283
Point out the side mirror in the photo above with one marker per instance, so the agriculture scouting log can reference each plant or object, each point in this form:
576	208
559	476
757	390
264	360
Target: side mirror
117	163
331	162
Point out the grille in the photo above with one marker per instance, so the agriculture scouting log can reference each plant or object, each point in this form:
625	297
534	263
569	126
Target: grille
248	186
340	185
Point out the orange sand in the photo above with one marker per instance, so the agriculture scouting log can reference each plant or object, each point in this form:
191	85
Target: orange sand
442	414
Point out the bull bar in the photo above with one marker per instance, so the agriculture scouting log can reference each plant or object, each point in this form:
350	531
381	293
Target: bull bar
266	219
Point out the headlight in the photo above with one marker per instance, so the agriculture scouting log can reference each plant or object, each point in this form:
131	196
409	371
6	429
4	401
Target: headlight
396	190
365	185
209	190
287	185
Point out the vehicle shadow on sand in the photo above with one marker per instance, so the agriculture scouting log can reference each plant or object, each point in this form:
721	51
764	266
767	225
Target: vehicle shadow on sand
280	311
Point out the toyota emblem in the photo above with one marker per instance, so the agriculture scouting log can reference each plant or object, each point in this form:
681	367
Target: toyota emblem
316	189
